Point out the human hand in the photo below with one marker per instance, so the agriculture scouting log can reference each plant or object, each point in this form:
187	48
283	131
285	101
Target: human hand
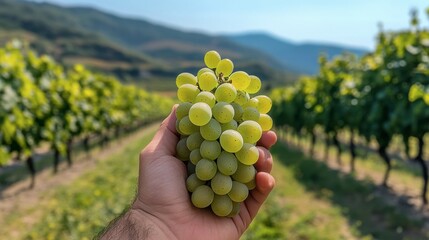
163	210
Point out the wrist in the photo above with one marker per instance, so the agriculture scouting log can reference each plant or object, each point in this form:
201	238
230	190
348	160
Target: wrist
137	224
152	225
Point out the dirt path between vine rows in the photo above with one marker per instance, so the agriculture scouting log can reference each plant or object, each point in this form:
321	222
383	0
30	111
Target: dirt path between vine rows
19	197
399	194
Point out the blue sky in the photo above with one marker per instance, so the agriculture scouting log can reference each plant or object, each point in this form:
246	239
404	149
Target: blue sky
352	23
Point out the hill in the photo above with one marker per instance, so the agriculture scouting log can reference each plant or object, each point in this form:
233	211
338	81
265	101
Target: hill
301	58
162	42
124	46
50	31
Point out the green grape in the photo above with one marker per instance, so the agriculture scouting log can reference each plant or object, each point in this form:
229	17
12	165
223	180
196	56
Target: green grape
242	98
244	173
231	141
186	127
250	130
183	110
250	113
177	128
240	80
227	163
190	168
182	151
207	81
229	125
251	184
265	103
205	169
224	67
203	70
226	93
194	141
254	86
266	122
219	125
221	205
210	149
200	114
185	78
192	182
223	112
211	59
211	131
238	111
221	184
187	92
235	209
202	196
253	102
239	192
206	97
195	156
248	154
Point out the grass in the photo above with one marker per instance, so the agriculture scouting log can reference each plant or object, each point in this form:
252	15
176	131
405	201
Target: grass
316	202
372	159
405	173
293	213
310	201
358	200
43	161
81	209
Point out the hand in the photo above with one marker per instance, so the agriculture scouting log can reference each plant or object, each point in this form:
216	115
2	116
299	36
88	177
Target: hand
163	205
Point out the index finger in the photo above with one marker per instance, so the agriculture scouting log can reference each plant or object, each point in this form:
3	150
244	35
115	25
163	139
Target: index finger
268	139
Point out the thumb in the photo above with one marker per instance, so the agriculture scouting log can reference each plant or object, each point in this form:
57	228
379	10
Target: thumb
165	139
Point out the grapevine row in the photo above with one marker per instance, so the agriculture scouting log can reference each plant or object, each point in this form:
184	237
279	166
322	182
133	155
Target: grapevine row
41	102
381	95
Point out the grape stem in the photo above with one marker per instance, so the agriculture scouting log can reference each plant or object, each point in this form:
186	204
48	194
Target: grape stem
223	80
220	80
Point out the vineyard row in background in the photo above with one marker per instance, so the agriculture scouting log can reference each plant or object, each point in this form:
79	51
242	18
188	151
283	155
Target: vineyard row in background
42	103
377	97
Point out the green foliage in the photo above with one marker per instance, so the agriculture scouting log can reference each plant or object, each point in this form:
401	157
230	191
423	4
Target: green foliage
327	99
383	94
371	95
268	224
41	102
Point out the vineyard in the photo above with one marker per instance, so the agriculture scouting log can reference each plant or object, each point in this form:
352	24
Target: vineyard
350	161
44	104
381	97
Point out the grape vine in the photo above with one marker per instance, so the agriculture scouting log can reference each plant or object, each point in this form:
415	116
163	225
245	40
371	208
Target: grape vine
382	95
41	102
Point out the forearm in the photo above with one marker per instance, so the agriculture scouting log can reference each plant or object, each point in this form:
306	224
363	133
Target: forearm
133	224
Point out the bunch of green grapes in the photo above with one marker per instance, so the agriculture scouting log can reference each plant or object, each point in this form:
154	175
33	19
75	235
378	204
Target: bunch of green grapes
220	124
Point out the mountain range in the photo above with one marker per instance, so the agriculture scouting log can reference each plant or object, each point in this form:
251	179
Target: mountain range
300	57
136	48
